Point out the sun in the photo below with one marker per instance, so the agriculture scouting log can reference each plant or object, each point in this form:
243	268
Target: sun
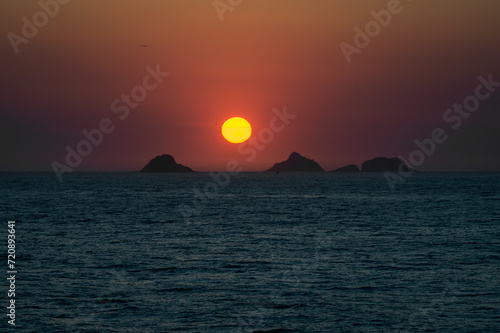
236	130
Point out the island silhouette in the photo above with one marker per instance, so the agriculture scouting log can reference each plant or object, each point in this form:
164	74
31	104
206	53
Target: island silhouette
165	163
295	163
348	168
384	164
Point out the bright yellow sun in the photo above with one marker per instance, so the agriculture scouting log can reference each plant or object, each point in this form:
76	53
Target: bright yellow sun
236	130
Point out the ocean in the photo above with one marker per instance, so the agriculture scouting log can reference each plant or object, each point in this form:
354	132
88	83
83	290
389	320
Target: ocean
266	252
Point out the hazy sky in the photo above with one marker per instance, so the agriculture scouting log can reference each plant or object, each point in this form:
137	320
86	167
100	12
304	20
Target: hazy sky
263	55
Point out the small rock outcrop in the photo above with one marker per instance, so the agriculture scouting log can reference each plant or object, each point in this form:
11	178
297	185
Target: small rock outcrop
165	163
348	168
384	164
296	162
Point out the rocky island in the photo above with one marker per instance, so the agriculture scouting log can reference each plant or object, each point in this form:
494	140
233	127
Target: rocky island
378	164
348	168
384	164
165	163
296	162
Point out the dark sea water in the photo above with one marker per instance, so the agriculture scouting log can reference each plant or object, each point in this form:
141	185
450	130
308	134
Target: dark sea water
111	252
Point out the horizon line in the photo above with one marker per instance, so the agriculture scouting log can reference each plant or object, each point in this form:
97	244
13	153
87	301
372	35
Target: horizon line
262	171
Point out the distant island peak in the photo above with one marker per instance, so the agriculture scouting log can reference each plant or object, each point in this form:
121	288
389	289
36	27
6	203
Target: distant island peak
165	163
348	168
384	164
296	162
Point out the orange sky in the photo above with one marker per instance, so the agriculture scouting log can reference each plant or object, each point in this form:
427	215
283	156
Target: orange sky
264	55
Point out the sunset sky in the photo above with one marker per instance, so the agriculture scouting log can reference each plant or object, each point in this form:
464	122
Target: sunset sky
263	55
